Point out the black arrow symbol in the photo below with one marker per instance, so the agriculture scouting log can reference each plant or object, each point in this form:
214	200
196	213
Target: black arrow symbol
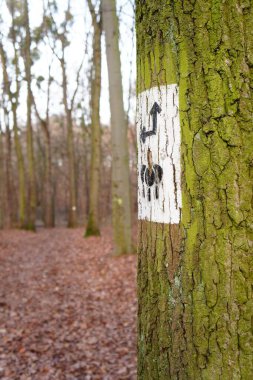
153	112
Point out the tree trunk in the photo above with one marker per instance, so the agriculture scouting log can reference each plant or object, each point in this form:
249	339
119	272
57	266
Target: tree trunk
93	219
72	176
85	166
13	98
48	190
29	131
21	171
11	216
72	219
121	205
194	271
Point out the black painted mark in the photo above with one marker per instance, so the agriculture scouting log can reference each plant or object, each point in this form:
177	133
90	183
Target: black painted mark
153	112
149	195
175	185
150	177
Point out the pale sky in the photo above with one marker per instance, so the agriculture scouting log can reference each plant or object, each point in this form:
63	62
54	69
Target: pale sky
81	47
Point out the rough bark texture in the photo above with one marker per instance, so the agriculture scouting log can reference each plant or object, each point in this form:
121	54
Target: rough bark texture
195	291
93	218
29	131
121	206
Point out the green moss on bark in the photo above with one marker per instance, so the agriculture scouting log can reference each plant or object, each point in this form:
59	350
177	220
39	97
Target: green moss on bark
195	316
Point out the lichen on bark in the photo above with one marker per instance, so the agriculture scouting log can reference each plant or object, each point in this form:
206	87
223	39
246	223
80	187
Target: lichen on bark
195	316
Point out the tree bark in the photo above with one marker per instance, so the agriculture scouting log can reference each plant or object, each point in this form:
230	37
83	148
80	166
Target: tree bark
93	219
121	205
194	277
29	131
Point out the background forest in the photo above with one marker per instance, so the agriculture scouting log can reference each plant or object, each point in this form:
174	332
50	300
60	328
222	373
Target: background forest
67	159
55	118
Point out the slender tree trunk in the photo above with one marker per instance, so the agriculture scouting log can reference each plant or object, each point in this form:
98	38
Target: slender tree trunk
48	195
72	219
18	148
194	275
72	175
121	205
21	172
48	190
29	131
86	143
93	219
11	219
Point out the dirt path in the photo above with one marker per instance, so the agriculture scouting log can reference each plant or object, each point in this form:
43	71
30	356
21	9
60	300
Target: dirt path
67	307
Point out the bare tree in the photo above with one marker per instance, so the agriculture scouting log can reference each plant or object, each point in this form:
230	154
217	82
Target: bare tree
13	98
48	201
10	214
93	219
29	130
121	205
61	35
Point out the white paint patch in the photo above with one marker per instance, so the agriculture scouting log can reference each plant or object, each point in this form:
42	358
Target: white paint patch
158	134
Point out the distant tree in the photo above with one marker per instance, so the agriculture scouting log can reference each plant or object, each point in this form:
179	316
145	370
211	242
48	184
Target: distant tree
86	138
11	216
59	34
195	271
15	10
121	205
48	198
29	130
93	218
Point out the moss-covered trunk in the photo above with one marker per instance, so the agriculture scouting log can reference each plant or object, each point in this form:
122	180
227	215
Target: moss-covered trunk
195	278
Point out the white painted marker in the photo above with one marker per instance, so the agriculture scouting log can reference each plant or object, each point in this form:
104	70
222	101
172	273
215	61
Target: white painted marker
159	170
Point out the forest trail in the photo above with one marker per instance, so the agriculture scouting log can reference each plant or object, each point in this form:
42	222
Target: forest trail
67	307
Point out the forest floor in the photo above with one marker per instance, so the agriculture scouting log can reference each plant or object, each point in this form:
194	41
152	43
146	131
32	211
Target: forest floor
67	307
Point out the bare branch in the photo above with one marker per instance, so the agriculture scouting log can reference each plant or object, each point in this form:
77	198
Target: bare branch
77	83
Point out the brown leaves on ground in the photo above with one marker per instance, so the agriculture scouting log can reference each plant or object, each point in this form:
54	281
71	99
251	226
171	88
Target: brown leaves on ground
67	307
